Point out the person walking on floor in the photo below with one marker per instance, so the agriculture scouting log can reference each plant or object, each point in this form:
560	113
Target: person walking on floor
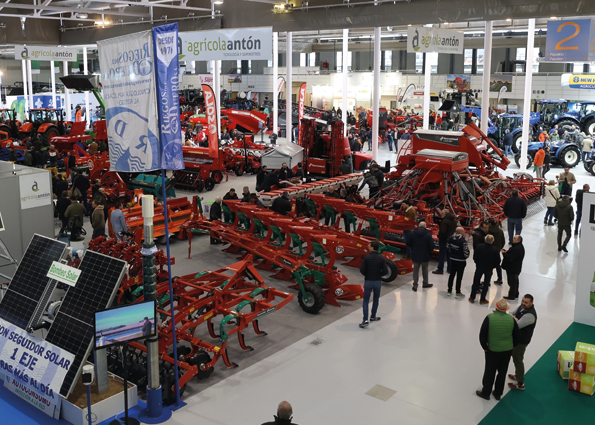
499	241
97	219
513	264
373	268
458	251
448	225
498	335
579	207
284	415
587	148
552	194
567	180
526	319
479	233
564	212
421	244
508	140
411	215
485	256
538	162
515	209
117	221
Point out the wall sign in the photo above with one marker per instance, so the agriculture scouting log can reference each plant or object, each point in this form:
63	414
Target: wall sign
581	81
570	41
44	53
33	369
427	40
229	44
63	273
35	191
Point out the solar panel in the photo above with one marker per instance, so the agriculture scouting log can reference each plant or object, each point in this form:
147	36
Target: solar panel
73	328
30	280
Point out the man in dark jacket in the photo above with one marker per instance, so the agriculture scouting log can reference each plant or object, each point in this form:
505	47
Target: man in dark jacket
508	143
344	168
61	205
515	209
355	144
261	176
486	257
498	335
215	214
300	171
373	268
458	251
254	200
74	214
81	182
60	186
231	195
526	319
564	212
283	416
270	180
282	204
285	172
71	161
12	154
499	242
513	264
246	194
28	159
448	226
479	233
579	206
421	244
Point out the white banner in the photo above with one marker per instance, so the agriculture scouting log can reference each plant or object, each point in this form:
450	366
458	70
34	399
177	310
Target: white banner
128	78
425	40
33	369
584	309
228	44
45	53
35	190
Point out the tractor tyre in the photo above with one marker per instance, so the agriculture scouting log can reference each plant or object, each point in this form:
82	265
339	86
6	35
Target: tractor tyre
6	129
589	127
239	170
565	125
200	186
517	160
393	271
495	142
587	164
23	136
592	169
315	298
49	134
209	183
570	156
217	176
199	360
516	142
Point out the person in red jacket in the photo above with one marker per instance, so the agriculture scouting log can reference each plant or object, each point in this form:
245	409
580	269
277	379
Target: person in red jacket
538	162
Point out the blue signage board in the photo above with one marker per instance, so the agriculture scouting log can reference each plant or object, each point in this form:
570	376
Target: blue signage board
570	41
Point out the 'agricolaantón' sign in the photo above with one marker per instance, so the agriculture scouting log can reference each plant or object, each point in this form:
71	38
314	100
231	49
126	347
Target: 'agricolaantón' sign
229	44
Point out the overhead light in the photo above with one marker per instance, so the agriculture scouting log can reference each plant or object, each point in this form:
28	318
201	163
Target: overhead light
409	25
553	17
82	15
509	20
217	1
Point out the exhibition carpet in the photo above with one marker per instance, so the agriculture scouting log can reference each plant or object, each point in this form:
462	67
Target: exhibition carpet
547	399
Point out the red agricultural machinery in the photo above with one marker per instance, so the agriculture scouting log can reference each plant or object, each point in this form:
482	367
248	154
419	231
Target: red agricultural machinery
201	171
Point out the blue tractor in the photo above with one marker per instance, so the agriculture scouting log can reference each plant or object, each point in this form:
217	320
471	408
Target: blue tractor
563	154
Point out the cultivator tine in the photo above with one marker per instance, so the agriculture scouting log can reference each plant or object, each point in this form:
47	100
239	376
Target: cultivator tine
243	342
225	358
211	328
256	326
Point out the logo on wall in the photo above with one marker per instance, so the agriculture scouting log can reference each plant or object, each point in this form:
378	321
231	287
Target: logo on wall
415	41
35	187
25	53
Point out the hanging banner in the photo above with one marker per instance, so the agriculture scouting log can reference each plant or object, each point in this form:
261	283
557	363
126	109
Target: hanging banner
301	103
33	369
211	113
280	82
44	53
166	60
570	41
226	44
427	40
408	92
128	78
399	93
503	90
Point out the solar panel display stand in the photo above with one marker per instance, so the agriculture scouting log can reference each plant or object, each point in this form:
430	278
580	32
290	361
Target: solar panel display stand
126	420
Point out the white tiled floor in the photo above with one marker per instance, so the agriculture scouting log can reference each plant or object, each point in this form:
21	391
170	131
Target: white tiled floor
425	348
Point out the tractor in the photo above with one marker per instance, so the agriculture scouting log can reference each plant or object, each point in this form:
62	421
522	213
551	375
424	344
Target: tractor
8	122
47	123
564	154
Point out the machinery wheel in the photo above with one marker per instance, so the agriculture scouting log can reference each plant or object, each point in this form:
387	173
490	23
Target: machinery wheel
239	170
590	127
566	125
587	164
209	183
315	299
23	136
516	142
495	142
393	271
6	129
517	159
217	176
200	186
202	358
592	169
569	157
50	133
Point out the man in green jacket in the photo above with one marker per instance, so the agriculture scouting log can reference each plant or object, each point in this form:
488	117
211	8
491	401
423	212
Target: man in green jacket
499	334
564	212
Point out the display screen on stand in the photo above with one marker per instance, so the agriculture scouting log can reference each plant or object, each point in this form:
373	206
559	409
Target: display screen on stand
124	324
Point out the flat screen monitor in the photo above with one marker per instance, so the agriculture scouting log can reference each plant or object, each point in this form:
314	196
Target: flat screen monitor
124	324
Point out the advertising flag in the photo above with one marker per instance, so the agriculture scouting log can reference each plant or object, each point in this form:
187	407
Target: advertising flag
280	82
211	113
399	94
503	90
165	46
301	103
408	92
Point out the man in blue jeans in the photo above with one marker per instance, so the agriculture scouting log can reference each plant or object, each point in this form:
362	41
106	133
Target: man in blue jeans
373	268
515	209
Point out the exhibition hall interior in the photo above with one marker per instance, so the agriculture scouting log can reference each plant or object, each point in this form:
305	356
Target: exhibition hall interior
297	212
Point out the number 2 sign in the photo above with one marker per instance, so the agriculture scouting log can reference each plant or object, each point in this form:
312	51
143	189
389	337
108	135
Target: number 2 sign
570	41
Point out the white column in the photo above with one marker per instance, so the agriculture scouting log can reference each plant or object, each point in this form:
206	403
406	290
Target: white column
288	87
53	79
528	87
376	94
427	90
193	67
25	87
86	71
30	82
344	71
66	105
217	91
275	78
485	86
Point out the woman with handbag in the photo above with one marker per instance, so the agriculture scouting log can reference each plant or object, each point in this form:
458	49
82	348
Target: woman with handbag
552	194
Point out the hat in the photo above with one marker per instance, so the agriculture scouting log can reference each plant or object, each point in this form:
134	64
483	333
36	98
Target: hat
502	305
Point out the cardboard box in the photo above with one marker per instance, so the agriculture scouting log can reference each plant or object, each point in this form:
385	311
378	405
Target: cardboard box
584	358
580	382
565	362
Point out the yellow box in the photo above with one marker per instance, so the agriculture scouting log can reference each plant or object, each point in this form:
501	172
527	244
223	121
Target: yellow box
584	358
580	382
565	362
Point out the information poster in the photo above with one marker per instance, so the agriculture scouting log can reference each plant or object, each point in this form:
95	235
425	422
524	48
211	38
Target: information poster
570	40
227	44
35	190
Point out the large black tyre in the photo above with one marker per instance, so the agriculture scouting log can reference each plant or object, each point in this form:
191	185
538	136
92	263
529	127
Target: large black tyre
589	127
239	170
200	186
592	169
393	271
217	176
588	165
315	298
565	125
495	142
517	159
516	142
209	183
49	134
570	156
199	360
6	129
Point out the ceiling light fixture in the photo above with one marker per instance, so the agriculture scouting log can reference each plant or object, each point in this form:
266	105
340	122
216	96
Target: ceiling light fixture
218	2
82	15
509	20
553	17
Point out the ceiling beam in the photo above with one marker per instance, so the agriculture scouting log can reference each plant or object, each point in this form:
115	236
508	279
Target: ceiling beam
56	18
68	9
158	3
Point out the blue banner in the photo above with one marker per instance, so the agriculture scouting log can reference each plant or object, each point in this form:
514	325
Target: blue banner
165	43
